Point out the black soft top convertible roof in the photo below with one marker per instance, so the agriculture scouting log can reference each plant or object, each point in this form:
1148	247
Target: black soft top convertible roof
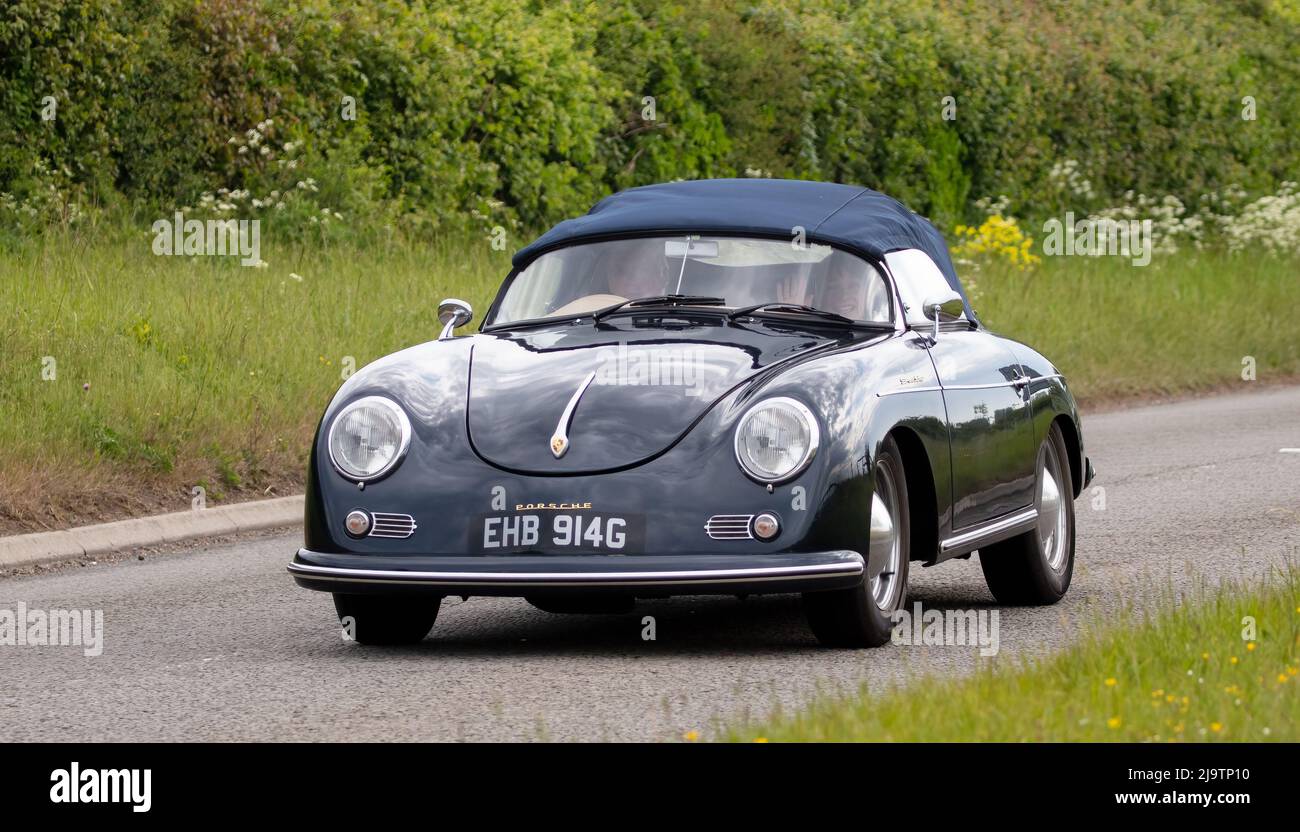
846	216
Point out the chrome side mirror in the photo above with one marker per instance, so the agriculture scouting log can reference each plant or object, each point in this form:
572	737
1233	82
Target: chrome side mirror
946	306
451	314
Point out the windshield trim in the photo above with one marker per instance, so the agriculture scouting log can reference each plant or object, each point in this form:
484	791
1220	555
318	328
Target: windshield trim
722	312
878	263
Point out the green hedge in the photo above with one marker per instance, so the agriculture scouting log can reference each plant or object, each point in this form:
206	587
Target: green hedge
520	113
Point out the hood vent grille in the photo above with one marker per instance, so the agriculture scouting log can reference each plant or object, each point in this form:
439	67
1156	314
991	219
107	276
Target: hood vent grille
730	527
398	526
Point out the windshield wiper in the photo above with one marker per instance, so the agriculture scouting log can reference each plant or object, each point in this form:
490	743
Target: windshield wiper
792	308
659	300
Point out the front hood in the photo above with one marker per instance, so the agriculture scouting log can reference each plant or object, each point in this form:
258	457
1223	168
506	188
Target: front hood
648	386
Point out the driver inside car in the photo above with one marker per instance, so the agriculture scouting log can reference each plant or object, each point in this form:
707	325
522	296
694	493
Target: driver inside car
851	289
638	271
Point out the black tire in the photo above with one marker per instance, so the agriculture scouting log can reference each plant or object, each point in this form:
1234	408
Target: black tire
1019	571
386	619
852	617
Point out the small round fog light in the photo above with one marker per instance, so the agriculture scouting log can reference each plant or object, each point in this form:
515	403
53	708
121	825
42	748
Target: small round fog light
357	523
766	526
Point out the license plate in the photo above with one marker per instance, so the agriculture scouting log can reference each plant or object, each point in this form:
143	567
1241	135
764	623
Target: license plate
558	532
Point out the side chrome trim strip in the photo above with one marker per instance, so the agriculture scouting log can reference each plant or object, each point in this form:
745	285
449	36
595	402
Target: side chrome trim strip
930	389
1021	381
997	528
1015	382
566	579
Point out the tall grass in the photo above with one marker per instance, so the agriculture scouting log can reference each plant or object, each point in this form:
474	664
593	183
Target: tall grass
1182	669
1182	323
173	372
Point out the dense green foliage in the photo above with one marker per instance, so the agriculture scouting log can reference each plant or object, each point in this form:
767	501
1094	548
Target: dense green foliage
519	113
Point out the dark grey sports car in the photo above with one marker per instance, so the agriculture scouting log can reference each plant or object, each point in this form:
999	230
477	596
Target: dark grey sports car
711	387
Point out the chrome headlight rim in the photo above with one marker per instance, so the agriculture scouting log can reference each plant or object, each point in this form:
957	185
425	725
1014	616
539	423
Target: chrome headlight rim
814	439
403	421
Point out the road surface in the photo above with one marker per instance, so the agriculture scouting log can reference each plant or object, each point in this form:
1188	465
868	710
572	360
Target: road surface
219	644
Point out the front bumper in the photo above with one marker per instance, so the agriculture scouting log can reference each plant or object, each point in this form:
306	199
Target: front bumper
519	575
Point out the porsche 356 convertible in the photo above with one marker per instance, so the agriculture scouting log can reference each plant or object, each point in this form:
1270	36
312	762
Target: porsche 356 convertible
709	387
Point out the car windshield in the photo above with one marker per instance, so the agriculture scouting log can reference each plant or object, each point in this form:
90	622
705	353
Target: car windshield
742	272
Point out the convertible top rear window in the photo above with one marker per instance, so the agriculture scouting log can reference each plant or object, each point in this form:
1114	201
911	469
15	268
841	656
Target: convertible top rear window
584	278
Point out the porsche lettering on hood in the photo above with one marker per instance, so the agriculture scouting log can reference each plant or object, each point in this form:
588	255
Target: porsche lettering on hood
579	399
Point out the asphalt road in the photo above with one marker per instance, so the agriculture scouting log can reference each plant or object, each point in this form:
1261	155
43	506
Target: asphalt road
218	644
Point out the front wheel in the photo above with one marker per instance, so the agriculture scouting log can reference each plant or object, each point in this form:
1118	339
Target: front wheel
1035	567
386	619
863	616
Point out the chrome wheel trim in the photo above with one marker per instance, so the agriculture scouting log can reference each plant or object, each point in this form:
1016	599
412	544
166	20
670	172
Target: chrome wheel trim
1052	520
885	541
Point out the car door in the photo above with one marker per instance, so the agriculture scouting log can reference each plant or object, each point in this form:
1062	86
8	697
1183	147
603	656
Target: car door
991	433
989	427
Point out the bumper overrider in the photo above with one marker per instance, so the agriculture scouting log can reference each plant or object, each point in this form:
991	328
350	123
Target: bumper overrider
518	575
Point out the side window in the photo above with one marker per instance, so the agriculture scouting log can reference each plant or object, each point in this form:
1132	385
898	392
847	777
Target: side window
879	306
850	286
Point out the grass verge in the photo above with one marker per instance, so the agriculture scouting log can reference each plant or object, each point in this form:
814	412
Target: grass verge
1173	672
1184	323
128	379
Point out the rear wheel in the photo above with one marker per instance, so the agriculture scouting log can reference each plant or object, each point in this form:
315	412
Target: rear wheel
386	619
863	616
1035	567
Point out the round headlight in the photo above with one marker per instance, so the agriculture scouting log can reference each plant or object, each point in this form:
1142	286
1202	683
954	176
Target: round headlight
368	438
776	439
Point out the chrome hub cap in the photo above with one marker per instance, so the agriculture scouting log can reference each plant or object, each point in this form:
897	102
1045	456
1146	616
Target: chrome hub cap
886	548
1052	530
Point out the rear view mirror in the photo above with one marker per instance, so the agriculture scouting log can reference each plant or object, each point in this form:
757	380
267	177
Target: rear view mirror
691	248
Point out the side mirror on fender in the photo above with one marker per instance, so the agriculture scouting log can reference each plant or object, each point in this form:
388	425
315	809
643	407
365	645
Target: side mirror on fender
453	313
946	306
